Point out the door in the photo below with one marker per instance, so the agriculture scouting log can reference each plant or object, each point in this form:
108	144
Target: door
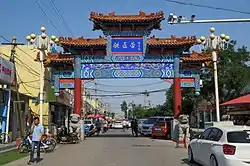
207	145
198	151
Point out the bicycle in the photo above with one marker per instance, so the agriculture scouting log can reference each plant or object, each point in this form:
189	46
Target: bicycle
4	138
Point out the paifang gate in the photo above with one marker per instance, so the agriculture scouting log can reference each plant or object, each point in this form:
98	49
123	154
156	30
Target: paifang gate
126	51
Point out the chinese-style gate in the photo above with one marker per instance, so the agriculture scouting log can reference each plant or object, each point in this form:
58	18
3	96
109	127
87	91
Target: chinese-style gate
127	51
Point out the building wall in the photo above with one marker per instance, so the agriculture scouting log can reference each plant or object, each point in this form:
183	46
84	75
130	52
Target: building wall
28	74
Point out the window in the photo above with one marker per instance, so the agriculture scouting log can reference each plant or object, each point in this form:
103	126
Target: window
160	123
161	119
206	133
215	134
238	137
151	121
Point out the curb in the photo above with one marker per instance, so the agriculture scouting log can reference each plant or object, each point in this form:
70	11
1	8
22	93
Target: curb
7	147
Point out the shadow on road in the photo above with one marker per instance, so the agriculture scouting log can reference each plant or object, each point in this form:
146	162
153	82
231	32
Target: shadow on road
185	161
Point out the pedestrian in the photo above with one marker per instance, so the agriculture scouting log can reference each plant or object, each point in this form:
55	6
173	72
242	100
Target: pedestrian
133	126
98	126
37	131
124	124
136	127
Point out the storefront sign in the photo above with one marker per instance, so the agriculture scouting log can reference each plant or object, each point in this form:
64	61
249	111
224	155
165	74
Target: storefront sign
6	71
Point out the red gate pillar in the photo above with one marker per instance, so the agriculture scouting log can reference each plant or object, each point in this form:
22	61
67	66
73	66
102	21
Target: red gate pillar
177	87
78	86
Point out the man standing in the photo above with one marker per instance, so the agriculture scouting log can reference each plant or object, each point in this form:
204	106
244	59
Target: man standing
134	126
37	134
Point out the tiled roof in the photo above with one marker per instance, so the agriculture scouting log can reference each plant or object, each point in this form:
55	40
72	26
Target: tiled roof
141	17
82	42
173	41
192	57
152	41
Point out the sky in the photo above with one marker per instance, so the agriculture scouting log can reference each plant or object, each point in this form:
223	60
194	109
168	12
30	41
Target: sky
21	18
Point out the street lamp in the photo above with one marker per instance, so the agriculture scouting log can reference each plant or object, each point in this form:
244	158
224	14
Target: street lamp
215	42
43	43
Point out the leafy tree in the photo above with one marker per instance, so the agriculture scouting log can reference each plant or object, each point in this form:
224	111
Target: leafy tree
233	78
124	108
233	74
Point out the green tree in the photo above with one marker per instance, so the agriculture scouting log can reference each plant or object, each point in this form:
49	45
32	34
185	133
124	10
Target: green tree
124	108
233	78
233	74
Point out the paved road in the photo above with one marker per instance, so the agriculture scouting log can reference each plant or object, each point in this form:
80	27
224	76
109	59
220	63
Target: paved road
115	148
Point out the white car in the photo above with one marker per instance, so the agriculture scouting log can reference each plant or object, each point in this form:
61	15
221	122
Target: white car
221	146
140	123
117	125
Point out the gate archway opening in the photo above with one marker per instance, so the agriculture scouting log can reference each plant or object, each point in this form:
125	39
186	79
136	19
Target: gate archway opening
126	51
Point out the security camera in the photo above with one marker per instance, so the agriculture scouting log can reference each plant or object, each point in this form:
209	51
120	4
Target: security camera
192	18
170	17
179	19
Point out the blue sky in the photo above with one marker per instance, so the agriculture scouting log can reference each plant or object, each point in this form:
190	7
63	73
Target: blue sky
20	18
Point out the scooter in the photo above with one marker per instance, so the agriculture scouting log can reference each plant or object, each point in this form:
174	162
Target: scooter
89	130
47	145
64	137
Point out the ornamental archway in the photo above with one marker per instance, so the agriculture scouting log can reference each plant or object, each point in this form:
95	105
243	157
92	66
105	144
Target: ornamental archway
126	51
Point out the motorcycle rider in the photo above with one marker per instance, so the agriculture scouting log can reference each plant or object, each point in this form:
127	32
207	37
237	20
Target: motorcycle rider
98	126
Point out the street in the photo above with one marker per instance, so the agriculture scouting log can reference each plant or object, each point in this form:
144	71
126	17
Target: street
115	148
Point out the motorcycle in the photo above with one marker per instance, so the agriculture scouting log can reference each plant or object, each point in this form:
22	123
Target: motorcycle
89	130
47	144
64	137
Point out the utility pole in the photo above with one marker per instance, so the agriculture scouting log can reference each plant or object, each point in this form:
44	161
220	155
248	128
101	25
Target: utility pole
17	106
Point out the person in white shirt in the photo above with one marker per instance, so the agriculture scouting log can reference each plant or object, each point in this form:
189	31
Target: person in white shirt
124	124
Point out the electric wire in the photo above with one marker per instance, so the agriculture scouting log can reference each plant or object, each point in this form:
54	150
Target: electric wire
57	11
206	6
134	93
46	15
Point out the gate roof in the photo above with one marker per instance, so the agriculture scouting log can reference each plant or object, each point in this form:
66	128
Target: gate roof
192	57
151	42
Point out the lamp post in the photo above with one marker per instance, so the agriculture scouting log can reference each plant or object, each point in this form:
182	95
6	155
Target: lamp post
215	42
42	43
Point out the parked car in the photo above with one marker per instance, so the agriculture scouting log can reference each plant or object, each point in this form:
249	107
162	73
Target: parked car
117	125
147	125
162	129
221	146
140	122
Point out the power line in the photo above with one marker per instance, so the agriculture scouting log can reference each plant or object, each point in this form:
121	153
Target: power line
206	6
130	94
57	11
45	14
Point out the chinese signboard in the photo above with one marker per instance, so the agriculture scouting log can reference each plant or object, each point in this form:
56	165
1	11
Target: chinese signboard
185	82
6	71
127	45
66	83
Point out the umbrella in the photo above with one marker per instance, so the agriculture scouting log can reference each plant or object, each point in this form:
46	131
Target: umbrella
99	116
90	116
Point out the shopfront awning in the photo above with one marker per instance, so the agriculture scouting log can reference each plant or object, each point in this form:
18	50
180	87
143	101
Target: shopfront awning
240	100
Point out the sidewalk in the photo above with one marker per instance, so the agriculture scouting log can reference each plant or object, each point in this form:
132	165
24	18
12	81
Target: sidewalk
7	147
24	161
